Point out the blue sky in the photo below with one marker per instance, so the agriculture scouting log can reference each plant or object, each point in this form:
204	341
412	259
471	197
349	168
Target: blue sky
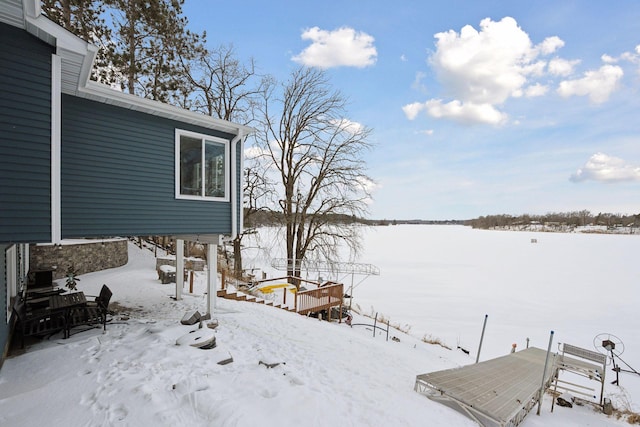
477	108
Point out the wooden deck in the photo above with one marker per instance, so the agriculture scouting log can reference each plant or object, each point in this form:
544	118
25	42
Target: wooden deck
498	392
323	298
305	302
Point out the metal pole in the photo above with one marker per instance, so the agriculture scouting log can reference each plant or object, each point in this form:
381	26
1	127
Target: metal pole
375	322
212	277
351	292
616	369
482	337
179	268
544	372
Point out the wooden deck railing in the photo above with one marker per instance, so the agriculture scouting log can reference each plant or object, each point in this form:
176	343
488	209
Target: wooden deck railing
323	298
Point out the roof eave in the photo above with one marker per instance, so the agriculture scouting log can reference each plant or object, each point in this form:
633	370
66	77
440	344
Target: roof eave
103	93
77	57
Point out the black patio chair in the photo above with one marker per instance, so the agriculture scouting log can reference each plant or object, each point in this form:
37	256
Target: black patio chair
92	313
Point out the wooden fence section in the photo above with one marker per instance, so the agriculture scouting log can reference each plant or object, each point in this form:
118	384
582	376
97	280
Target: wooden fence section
323	298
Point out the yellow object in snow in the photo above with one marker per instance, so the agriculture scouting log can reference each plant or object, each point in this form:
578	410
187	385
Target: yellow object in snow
268	289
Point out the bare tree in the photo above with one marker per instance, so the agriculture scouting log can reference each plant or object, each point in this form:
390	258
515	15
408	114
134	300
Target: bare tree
258	190
224	87
317	154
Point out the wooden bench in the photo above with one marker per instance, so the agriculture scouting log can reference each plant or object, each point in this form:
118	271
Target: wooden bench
37	323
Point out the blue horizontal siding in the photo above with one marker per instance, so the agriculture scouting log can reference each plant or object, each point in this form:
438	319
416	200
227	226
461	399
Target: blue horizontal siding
25	137
118	175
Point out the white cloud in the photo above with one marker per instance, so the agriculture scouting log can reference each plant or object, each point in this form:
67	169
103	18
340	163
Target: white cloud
427	132
466	113
342	47
483	66
480	70
536	89
418	82
348	126
534	69
550	45
633	57
411	111
597	84
403	58
604	168
562	67
368	184
252	152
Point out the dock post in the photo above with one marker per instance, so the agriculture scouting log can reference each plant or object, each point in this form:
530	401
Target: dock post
482	337
544	372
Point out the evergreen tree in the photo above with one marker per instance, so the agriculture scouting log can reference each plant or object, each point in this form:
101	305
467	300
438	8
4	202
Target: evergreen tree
85	18
141	47
150	38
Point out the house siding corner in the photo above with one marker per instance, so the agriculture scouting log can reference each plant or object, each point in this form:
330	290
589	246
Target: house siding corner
25	137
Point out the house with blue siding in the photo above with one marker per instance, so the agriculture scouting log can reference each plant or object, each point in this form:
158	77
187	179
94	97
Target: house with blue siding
79	159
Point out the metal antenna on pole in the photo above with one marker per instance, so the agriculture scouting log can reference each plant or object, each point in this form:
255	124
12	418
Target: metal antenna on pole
613	346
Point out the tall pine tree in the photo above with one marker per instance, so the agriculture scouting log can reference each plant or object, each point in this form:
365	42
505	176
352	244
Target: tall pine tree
86	19
149	38
140	42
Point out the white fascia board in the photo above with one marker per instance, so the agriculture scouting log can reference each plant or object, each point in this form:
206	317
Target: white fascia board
236	185
47	30
101	92
31	8
241	194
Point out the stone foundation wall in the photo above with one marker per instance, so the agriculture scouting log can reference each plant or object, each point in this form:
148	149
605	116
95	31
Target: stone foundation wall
85	257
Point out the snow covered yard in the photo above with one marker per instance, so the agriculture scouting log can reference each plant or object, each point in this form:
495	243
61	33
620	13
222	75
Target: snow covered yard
135	374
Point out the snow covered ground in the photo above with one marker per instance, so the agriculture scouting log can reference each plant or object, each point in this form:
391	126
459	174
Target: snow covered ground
331	374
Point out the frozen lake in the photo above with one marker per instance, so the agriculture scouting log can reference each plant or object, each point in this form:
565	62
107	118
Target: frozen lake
442	280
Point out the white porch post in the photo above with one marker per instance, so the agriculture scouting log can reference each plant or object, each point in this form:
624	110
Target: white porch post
56	143
212	276
179	268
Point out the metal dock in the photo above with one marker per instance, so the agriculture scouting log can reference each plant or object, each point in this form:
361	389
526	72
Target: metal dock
498	392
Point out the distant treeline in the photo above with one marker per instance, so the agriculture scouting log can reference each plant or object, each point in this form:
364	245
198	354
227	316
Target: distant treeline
267	218
568	219
562	219
413	221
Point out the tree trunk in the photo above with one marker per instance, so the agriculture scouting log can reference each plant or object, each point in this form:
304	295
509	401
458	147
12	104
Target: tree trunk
237	257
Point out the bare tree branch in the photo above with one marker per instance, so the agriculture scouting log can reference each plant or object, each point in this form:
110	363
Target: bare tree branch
317	155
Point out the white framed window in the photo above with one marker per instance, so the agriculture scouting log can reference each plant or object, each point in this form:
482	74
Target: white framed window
202	167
